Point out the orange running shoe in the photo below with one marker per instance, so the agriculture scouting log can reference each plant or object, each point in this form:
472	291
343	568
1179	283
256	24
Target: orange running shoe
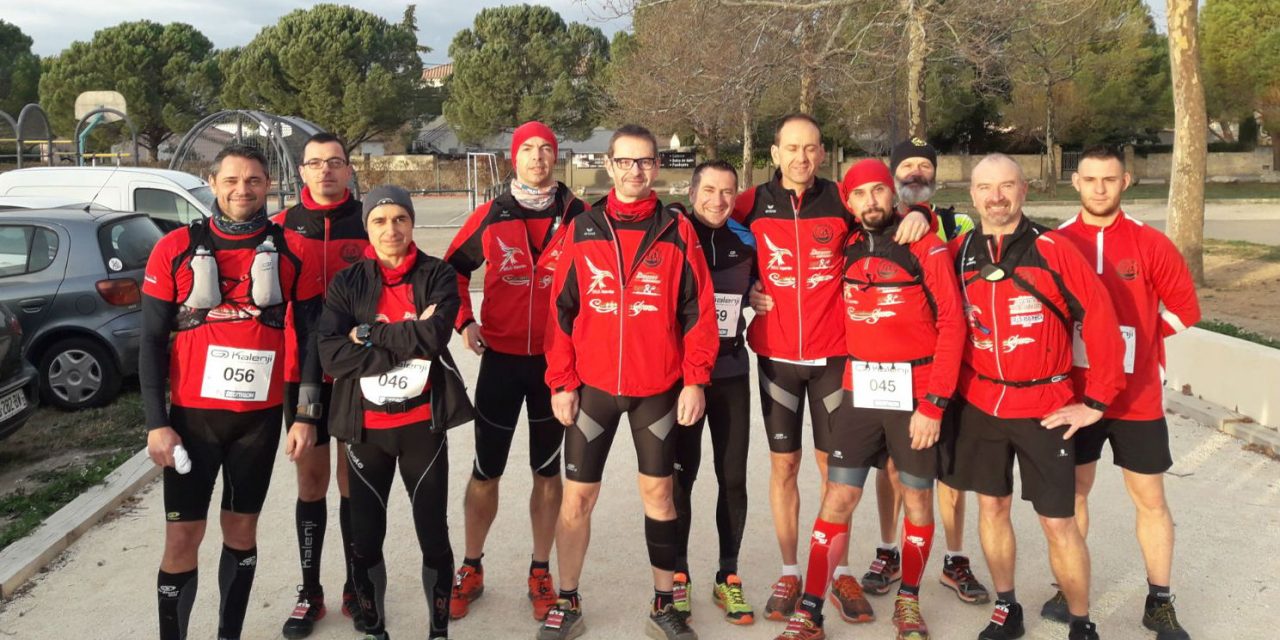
468	586
907	619
802	627
850	601
542	593
782	603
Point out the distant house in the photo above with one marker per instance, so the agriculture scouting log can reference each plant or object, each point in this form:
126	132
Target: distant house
436	75
438	137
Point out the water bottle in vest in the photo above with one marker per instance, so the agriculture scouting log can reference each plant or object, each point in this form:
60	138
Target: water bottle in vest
265	274
205	292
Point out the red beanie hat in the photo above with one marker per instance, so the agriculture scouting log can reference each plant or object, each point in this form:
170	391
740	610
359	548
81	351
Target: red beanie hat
864	171
533	129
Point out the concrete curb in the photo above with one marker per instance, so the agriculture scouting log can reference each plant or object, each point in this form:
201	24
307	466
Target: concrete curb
26	557
1225	420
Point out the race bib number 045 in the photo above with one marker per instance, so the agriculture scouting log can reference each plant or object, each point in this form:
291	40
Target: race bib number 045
882	385
237	374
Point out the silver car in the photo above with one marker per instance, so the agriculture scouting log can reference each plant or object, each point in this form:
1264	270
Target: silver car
74	279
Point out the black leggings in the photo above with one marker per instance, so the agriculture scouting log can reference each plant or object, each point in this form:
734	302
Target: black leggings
424	467
729	414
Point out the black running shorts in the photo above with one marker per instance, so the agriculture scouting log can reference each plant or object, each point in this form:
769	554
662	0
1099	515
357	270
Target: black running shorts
652	420
505	383
865	438
240	445
1141	446
783	387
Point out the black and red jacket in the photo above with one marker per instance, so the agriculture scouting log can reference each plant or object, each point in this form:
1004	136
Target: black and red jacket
1143	272
632	307
236	323
1022	293
335	238
799	240
902	304
514	243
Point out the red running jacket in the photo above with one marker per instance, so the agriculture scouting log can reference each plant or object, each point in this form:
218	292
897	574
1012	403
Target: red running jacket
514	242
902	304
1022	292
631	329
1142	270
799	239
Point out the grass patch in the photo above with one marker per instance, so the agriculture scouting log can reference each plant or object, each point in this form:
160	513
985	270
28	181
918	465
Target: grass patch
1242	249
50	431
1226	328
24	511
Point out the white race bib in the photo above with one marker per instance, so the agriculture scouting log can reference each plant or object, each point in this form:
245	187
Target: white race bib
882	385
817	362
237	374
728	310
1080	357
405	381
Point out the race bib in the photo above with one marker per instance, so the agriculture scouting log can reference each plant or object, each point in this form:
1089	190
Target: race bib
882	385
817	362
1080	358
405	381
728	310
237	374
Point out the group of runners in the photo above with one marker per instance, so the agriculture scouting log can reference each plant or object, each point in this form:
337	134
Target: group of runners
932	347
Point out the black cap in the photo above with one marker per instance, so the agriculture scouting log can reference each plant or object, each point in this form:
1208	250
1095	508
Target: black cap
387	194
913	148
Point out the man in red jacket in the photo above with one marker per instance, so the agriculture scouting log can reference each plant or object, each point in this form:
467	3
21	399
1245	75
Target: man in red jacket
904	333
632	330
1143	272
1024	287
800	224
515	235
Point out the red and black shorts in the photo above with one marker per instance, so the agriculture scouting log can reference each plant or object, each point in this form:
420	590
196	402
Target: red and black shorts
1141	446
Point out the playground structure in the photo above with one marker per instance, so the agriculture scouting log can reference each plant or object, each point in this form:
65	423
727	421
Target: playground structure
33	129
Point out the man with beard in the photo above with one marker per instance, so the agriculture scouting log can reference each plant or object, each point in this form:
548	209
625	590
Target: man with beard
800	224
914	166
904	333
517	235
1023	288
1143	272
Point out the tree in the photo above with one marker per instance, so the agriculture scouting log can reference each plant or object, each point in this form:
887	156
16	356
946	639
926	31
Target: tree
519	63
347	70
1241	49
167	74
19	70
1190	134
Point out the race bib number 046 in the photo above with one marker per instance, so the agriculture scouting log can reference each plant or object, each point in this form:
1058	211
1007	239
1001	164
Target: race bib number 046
882	385
728	310
406	381
237	374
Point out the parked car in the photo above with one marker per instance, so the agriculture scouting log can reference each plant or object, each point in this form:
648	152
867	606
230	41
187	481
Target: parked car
17	377
74	279
172	198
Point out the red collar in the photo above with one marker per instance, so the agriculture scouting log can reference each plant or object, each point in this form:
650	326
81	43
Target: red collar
631	211
310	203
396	274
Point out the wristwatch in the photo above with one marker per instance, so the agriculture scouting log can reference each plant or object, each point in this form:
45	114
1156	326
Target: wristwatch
362	334
313	410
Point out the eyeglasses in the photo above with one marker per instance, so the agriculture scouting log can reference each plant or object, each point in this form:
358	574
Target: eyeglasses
315	164
646	164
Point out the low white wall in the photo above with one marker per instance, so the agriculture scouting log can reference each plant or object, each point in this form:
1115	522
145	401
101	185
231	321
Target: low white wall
1237	374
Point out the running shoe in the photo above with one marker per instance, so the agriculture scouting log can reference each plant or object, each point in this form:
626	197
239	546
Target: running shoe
782	603
1006	622
564	622
1055	608
728	596
680	595
885	570
1159	616
350	604
376	636
468	586
850	601
958	576
1083	631
907	619
308	610
801	627
542	593
668	624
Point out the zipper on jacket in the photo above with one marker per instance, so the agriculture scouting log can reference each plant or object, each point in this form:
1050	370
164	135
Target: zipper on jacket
1099	261
324	256
796	204
622	291
533	276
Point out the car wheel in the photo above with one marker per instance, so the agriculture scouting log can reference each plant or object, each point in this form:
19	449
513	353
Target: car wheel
77	373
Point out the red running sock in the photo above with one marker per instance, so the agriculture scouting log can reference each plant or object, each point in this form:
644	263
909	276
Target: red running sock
826	548
916	542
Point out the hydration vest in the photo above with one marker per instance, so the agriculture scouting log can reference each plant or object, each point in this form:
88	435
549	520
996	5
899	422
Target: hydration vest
266	296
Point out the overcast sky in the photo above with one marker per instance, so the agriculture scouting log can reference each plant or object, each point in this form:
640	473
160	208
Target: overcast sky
54	24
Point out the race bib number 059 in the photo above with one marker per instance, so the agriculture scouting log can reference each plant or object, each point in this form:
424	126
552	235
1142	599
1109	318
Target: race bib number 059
406	381
728	310
237	374
882	385
1080	357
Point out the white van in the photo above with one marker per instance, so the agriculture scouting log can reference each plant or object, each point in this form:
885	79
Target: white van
171	198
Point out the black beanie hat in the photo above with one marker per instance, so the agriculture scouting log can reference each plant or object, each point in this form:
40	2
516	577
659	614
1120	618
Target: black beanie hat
387	194
912	148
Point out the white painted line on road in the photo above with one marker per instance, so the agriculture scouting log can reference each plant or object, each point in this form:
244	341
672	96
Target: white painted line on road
1244	477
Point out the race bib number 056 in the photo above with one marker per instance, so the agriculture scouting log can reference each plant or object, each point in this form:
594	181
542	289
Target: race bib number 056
406	381
237	374
882	385
728	310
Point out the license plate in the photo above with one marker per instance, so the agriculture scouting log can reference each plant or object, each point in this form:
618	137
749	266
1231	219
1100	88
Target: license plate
12	404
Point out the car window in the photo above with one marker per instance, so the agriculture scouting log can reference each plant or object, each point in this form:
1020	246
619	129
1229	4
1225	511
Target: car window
127	243
164	204
26	249
204	195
